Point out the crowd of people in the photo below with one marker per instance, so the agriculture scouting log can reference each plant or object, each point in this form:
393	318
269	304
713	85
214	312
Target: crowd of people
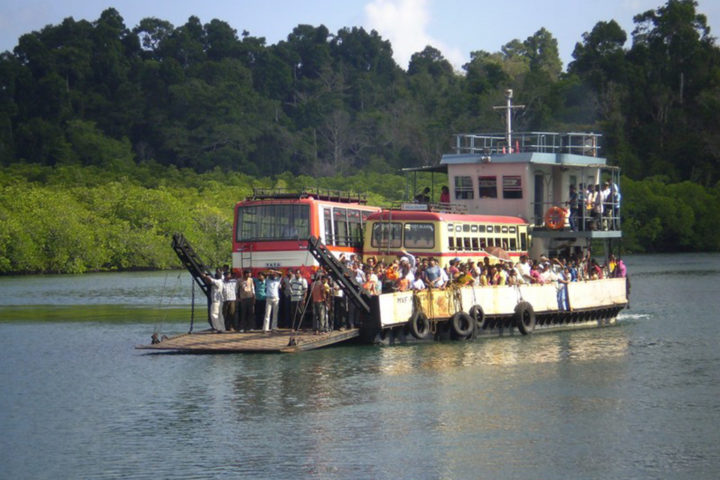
272	299
594	207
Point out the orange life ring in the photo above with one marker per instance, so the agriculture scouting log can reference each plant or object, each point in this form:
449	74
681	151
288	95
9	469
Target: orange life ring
555	218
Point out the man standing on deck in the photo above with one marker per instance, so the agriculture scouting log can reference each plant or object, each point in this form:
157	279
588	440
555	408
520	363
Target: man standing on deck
272	301
319	293
298	291
259	299
229	301
246	292
216	299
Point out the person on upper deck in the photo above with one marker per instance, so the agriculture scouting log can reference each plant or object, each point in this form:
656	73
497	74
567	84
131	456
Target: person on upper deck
444	194
424	196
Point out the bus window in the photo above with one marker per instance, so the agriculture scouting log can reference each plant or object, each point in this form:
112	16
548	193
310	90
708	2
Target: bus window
466	228
419	235
451	243
475	244
483	244
329	237
466	243
342	235
386	235
513	244
523	242
273	222
355	228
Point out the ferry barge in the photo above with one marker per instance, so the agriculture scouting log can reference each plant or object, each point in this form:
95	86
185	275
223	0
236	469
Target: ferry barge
508	197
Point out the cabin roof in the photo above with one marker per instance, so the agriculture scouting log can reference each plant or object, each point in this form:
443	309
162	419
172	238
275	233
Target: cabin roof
560	159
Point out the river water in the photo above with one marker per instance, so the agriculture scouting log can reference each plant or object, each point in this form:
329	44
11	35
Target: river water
639	400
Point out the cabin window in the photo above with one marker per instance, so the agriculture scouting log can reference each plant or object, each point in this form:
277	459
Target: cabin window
273	222
487	187
386	235
419	235
512	186
463	188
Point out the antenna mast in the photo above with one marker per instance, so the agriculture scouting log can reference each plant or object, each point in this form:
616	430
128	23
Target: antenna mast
508	107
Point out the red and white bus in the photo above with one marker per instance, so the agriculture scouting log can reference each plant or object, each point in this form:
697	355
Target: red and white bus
271	228
443	235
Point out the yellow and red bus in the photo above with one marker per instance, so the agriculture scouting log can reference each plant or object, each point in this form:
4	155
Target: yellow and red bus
443	235
271	228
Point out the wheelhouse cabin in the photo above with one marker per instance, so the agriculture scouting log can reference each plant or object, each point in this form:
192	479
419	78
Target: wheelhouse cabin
526	174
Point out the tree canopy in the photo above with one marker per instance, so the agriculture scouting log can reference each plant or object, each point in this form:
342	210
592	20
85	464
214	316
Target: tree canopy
100	96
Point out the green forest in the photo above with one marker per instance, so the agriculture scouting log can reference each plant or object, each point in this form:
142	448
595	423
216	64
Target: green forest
113	138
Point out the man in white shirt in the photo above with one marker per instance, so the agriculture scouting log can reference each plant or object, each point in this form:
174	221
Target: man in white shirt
216	299
298	292
229	302
272	301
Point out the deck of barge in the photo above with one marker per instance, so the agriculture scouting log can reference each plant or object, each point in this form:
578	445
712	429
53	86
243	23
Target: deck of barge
279	341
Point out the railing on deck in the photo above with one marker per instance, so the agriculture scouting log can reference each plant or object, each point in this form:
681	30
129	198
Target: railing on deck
582	219
577	143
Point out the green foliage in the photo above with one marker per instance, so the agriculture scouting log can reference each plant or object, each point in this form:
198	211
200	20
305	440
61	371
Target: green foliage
660	216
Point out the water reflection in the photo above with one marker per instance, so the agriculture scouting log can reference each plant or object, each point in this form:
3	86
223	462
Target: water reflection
586	345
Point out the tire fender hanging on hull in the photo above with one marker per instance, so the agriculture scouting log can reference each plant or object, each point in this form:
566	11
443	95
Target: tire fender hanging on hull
524	318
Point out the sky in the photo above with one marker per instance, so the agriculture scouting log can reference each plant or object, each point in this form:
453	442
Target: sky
455	27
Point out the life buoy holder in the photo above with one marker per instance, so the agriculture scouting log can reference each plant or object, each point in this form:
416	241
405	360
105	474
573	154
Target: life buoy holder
462	324
524	318
555	218
419	325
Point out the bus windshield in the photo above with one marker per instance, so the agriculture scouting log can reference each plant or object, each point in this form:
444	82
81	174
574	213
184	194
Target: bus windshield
273	222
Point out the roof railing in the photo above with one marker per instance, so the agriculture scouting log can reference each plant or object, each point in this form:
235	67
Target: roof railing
439	207
578	143
317	193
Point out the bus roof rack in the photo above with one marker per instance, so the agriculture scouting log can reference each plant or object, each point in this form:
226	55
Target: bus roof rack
318	193
429	207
